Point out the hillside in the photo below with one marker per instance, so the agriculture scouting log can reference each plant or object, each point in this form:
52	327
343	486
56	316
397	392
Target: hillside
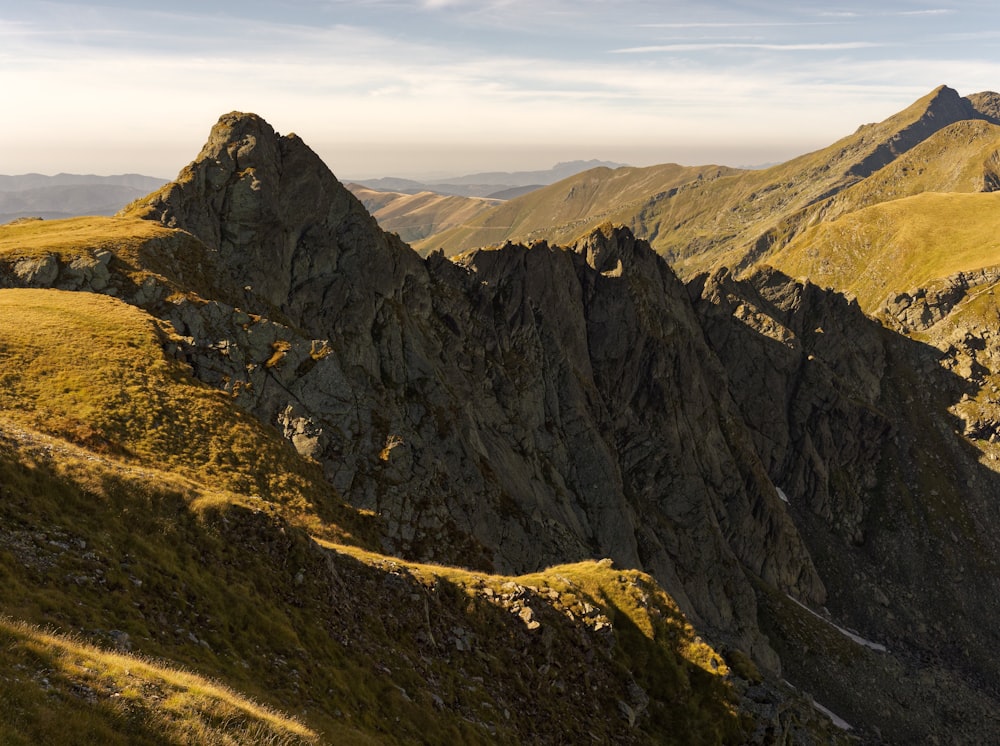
541	493
415	216
898	245
488	184
563	212
739	219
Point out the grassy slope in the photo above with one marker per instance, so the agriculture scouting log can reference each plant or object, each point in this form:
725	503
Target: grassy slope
733	223
57	690
143	247
897	246
564	210
139	505
34	237
416	216
709	221
960	158
92	370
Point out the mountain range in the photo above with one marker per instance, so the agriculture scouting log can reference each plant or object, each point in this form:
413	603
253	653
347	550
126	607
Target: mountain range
489	184
689	455
67	195
702	217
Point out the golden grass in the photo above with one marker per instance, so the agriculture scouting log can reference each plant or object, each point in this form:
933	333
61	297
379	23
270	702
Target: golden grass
142	248
91	370
630	592
415	216
100	696
897	246
563	211
68	238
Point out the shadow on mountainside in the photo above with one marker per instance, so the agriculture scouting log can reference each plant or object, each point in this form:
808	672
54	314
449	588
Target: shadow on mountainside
359	646
896	507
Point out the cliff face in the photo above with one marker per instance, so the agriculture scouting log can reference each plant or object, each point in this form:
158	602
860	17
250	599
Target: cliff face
515	409
757	445
878	442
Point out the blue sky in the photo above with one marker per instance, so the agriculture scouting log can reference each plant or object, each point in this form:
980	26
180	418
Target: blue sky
420	87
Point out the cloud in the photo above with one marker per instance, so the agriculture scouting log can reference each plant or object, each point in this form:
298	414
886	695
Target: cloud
709	46
739	24
887	13
441	81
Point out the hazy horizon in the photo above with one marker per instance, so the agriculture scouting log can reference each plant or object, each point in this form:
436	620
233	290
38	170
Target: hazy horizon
450	87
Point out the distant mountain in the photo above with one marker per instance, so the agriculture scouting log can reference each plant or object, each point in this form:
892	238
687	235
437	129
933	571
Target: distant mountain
67	195
525	178
36	181
416	216
485	184
739	217
563	211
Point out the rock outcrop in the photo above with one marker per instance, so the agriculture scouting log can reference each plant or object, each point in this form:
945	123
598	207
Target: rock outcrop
518	408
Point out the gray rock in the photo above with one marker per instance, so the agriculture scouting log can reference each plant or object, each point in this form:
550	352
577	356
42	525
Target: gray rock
39	271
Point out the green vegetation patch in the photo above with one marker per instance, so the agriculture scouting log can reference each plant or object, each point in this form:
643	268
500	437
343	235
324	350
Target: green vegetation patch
897	246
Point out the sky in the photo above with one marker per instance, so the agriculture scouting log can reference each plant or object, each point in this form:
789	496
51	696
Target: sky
421	88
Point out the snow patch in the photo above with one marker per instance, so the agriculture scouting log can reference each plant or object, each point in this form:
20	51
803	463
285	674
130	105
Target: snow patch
835	719
878	647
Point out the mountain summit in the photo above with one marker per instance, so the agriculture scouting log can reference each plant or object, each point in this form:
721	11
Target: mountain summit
277	221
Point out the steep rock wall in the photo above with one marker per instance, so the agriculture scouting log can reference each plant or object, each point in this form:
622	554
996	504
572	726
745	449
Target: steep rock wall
524	406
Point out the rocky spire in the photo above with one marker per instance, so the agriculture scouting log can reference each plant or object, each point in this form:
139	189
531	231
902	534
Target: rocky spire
282	226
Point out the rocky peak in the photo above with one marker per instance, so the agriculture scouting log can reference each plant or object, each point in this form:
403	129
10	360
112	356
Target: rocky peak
282	227
236	135
935	111
986	104
945	102
609	248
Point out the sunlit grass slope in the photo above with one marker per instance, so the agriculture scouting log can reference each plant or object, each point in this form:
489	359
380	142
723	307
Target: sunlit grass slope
92	370
416	216
897	246
67	238
563	211
140	248
963	157
60	691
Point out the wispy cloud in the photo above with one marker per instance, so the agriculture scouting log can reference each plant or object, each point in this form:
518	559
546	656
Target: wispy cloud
887	13
709	46
736	24
930	12
355	77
